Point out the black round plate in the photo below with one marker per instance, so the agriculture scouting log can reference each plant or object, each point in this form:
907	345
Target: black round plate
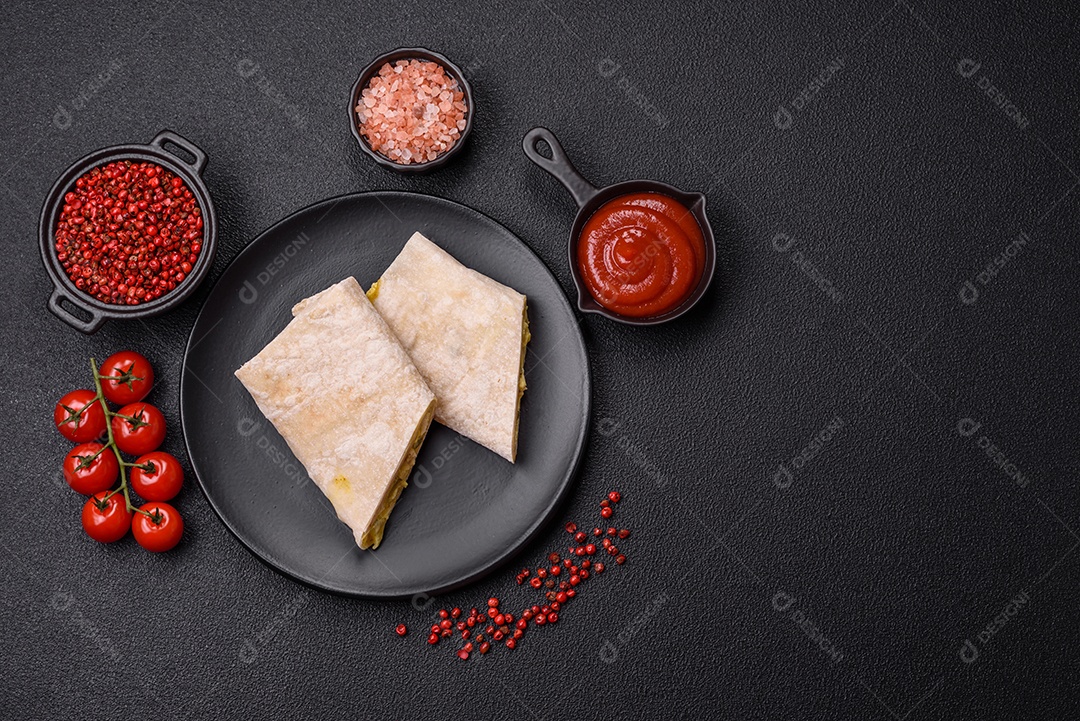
466	509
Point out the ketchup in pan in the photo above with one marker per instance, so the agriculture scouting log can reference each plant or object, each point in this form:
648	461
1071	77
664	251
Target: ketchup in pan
641	254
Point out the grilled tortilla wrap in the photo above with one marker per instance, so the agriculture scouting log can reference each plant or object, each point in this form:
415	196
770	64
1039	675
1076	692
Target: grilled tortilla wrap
343	394
466	333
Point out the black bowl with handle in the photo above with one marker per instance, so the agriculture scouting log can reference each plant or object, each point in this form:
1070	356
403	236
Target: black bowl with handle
91	313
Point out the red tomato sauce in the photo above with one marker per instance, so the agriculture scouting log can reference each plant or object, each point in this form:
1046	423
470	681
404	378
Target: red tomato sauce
641	254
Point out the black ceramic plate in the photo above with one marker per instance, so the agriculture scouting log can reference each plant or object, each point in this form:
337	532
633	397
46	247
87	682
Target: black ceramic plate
466	510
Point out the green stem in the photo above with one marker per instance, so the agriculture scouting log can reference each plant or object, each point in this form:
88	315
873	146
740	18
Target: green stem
125	377
86	461
112	442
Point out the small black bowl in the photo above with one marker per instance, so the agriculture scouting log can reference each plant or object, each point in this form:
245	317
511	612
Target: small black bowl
590	198
65	290
411	54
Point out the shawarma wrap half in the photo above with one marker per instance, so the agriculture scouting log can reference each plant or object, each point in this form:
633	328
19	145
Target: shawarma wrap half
466	334
344	395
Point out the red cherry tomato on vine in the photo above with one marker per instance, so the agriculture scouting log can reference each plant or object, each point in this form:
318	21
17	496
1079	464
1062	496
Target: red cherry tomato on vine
126	377
138	428
106	518
90	468
79	417
160	530
157	476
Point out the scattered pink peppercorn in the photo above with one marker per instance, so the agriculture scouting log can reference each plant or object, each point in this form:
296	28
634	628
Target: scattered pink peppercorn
556	588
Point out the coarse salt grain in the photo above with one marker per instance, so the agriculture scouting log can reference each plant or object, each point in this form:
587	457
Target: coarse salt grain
412	111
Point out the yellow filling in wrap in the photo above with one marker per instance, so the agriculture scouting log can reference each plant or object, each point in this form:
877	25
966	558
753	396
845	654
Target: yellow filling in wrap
526	336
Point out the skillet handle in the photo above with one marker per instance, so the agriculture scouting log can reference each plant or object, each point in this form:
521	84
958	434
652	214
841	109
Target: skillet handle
558	164
86	326
168	136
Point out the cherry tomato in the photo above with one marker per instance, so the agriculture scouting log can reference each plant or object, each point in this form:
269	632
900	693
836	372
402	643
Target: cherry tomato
126	377
138	428
160	480
90	468
79	417
159	531
106	519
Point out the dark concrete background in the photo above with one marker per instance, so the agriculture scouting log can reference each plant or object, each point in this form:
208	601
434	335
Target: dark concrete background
862	164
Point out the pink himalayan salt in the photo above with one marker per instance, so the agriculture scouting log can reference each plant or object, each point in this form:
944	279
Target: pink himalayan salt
412	111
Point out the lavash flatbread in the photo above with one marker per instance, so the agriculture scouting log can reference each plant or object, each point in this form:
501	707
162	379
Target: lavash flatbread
466	334
344	395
